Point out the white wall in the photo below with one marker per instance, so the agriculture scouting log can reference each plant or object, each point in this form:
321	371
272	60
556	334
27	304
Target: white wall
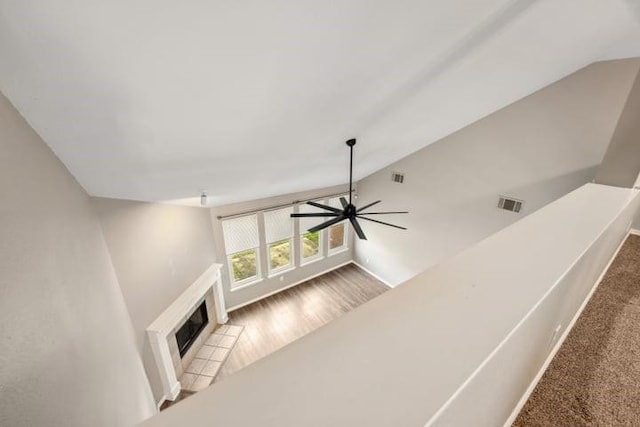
157	250
537	149
621	163
267	285
457	345
67	353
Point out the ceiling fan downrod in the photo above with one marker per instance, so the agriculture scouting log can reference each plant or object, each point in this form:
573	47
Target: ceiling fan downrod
348	211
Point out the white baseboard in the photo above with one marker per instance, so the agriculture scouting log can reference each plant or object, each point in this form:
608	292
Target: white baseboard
525	397
159	404
371	273
287	287
634	232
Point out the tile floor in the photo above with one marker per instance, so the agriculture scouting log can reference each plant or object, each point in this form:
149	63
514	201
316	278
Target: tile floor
205	366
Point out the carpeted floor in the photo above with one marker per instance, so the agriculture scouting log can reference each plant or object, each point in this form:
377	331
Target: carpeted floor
594	380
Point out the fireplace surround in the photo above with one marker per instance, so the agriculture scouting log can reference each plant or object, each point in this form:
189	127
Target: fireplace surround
205	292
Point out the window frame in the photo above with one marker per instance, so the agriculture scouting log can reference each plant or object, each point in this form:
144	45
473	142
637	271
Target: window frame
283	268
238	284
254	246
345	239
320	255
272	272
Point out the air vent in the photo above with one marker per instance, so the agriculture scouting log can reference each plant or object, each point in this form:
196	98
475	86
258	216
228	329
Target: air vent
397	177
509	204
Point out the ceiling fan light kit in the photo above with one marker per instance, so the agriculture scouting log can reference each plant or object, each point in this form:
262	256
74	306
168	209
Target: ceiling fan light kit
349	210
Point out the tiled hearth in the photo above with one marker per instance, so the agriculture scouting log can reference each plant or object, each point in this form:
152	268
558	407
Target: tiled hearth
208	360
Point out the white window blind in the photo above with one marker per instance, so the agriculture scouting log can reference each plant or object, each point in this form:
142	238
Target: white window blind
278	224
240	233
307	223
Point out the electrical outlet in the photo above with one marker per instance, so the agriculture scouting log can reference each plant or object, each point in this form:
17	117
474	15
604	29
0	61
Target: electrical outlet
555	336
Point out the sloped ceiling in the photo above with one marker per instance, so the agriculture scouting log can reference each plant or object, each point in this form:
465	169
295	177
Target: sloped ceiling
158	100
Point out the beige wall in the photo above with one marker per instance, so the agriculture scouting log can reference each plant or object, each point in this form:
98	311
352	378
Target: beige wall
67	353
621	164
537	150
273	284
157	250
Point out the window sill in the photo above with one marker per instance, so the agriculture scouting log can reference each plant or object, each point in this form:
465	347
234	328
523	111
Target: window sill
240	286
279	272
309	261
338	251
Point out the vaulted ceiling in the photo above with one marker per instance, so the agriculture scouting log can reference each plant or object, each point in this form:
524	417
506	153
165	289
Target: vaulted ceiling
158	100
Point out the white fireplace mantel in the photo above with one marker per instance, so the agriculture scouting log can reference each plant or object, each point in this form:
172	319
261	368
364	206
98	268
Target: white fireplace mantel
174	315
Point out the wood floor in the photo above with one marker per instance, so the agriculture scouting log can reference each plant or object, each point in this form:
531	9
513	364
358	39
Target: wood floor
276	321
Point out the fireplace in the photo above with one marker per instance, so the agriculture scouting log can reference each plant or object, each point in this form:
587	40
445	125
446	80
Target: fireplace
163	332
188	332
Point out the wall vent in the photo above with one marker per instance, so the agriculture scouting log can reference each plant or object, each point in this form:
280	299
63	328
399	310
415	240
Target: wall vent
397	177
510	204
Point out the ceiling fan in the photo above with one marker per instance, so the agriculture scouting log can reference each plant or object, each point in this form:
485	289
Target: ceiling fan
348	211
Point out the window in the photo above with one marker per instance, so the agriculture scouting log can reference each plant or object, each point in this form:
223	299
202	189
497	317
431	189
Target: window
337	233
244	264
241	243
337	237
310	243
260	246
280	255
278	227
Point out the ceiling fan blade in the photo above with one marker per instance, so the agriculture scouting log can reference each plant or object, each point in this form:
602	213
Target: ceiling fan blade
326	224
325	207
357	229
383	213
344	202
368	206
381	222
313	215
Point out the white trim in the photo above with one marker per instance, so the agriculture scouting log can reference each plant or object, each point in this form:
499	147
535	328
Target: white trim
634	232
311	259
218	301
343	249
172	396
282	270
248	284
371	273
159	404
556	348
175	391
345	239
288	286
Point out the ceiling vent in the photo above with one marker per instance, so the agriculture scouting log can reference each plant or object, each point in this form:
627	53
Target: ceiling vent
509	204
397	177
